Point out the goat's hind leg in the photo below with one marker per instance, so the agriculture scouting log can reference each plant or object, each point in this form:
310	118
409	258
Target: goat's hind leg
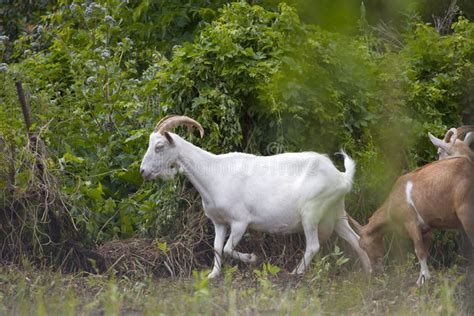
312	246
414	232
466	217
237	230
344	230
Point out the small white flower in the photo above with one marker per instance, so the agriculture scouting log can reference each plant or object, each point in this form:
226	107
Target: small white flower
109	19
88	12
3	67
97	7
91	80
91	63
129	40
105	54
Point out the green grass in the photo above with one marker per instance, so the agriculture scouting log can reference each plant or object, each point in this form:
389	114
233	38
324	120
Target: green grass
325	289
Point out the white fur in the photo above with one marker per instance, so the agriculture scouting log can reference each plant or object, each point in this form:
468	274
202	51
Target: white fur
285	193
425	274
409	198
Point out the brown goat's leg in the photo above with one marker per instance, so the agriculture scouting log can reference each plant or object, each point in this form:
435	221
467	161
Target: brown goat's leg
466	217
414	232
427	240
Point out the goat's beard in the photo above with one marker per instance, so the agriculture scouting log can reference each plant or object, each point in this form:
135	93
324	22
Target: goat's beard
163	175
169	174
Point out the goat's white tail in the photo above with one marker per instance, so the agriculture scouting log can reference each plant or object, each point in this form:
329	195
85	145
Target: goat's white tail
350	167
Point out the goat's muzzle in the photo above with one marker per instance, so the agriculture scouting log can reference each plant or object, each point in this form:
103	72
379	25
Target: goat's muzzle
146	175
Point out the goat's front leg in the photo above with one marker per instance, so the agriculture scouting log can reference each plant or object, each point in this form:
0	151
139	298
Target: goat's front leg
220	232
237	230
421	251
344	230
312	247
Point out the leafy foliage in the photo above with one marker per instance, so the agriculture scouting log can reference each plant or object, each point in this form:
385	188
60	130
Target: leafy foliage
258	79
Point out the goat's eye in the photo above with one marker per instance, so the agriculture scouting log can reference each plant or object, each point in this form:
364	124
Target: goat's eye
158	148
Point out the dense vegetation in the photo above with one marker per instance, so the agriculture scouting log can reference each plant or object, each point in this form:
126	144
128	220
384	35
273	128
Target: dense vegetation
260	77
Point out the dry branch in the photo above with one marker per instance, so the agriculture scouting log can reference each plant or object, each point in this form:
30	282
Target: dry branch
35	220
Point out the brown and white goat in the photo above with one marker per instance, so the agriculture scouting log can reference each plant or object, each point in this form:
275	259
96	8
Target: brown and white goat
439	195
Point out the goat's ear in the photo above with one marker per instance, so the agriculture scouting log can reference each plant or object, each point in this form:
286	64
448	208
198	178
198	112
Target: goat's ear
354	224
469	139
439	143
169	138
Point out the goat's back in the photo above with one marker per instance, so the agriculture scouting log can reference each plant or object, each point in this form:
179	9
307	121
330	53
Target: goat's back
438	190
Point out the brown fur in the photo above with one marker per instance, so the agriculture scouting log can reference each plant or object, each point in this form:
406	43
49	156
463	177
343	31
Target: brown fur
461	149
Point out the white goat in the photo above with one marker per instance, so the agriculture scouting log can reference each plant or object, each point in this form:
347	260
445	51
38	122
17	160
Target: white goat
284	193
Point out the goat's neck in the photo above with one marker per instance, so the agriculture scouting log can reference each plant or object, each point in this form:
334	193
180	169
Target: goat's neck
196	164
378	221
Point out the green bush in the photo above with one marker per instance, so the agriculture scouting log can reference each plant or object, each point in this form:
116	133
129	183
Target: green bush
100	74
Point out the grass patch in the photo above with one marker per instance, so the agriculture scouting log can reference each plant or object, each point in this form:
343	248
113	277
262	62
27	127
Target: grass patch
325	289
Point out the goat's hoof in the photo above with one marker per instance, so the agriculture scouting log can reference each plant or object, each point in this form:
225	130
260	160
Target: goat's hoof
213	274
422	280
297	272
419	283
252	258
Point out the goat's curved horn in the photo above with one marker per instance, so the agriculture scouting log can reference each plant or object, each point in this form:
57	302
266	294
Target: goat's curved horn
464	130
354	224
167	117
440	143
469	139
451	136
171	121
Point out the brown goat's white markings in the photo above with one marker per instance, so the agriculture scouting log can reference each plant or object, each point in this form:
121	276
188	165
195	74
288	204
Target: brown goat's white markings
425	274
419	219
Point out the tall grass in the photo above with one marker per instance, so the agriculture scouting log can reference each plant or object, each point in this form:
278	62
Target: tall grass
325	289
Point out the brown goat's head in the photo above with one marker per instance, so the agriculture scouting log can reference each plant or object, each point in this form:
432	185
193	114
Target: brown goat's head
453	144
371	242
